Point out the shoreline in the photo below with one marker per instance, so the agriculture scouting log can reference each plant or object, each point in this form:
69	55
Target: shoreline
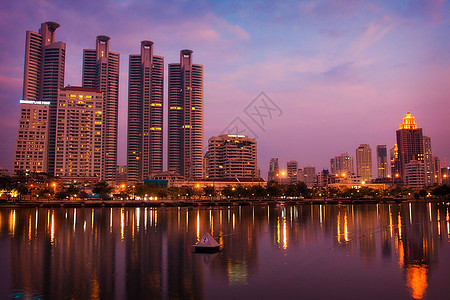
204	203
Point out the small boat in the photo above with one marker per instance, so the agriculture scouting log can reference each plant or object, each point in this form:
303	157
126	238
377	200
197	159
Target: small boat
207	244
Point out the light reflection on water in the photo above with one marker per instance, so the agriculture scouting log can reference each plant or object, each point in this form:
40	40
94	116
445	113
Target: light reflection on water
312	251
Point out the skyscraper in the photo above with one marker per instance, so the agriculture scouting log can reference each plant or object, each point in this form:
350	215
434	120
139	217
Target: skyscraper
145	113
185	126
79	133
382	166
364	162
44	75
101	71
231	156
409	143
292	171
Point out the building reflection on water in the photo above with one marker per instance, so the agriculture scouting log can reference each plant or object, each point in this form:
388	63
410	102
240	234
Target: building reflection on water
146	252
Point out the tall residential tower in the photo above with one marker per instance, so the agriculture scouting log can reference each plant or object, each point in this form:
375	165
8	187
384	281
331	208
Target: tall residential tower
145	114
185	126
101	71
44	75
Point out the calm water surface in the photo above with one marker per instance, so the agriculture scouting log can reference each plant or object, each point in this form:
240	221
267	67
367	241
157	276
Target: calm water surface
385	251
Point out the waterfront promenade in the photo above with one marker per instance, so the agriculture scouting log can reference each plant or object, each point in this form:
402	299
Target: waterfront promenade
201	202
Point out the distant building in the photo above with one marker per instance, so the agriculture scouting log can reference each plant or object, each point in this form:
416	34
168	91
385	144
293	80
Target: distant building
44	75
308	175
101	71
437	170
428	162
324	178
394	161
145	113
445	171
274	170
231	156
364	162
79	133
409	143
415	174
342	164
185	126
32	136
382	162
292	171
122	174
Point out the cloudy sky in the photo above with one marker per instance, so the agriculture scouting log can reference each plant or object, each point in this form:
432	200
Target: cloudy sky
336	73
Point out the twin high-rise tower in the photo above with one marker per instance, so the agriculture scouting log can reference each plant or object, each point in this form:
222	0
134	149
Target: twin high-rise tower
47	106
145	116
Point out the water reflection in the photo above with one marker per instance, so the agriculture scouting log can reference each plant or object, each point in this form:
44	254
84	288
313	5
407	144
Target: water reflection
119	253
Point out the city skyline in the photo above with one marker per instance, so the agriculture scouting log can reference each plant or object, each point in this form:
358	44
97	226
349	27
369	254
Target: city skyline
325	75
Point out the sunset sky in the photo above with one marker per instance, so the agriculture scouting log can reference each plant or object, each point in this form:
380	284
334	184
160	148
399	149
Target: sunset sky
342	73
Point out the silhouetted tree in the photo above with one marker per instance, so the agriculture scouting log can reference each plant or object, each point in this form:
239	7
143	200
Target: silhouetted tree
103	189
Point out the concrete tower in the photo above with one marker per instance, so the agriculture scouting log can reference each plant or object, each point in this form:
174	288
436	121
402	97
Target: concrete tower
101	71
185	126
145	114
44	75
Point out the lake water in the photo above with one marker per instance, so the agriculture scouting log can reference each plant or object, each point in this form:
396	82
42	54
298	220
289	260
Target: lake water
384	251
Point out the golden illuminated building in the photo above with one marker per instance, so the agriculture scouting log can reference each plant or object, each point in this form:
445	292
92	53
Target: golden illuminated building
79	133
409	143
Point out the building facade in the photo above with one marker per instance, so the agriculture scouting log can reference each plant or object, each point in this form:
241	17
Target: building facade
274	170
145	114
79	133
364	162
32	136
342	164
185	117
308	175
292	171
101	71
382	162
409	143
415	174
231	156
44	75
